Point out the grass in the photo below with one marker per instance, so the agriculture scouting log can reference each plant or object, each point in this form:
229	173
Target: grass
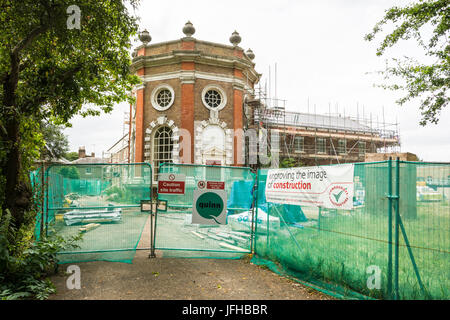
346	245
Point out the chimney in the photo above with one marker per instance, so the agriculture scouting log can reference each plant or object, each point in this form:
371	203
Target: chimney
81	153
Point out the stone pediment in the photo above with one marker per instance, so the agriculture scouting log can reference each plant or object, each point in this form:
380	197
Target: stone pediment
213	151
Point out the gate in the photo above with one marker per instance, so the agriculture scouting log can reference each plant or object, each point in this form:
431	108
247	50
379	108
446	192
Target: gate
177	235
103	203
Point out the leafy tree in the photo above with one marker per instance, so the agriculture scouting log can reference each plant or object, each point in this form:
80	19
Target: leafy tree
56	142
288	163
431	81
69	172
71	156
51	70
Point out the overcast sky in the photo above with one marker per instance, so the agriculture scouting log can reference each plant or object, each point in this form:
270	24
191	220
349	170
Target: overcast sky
320	52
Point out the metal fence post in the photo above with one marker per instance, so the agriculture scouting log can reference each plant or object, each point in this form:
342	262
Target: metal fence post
269	205
397	214
389	275
255	214
152	228
41	231
47	191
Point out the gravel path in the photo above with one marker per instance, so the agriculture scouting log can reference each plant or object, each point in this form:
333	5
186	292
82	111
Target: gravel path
179	279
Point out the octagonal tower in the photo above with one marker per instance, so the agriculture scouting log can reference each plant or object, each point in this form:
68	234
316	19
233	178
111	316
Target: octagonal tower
189	107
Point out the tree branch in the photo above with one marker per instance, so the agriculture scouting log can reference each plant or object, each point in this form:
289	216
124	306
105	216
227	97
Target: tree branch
24	43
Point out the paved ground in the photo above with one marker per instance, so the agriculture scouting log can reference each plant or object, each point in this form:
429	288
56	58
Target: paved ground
180	279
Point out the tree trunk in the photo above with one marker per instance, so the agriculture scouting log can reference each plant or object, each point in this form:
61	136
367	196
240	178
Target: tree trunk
17	195
12	171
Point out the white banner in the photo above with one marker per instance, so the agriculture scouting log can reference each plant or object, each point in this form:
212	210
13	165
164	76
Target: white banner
328	187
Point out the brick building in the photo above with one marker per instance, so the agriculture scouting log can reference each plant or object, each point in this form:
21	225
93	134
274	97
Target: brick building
190	102
199	102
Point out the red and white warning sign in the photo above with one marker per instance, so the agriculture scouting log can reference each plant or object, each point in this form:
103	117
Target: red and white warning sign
215	185
171	183
201	184
211	185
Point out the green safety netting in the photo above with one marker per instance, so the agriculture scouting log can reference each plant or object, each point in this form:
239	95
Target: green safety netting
101	201
176	235
339	250
36	183
336	251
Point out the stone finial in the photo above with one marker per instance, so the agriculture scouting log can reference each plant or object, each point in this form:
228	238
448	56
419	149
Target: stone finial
235	38
145	37
188	29
250	54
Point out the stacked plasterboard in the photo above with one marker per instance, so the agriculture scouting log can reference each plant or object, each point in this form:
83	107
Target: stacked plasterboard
99	215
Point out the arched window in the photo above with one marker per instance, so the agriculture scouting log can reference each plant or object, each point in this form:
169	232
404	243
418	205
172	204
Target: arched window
162	147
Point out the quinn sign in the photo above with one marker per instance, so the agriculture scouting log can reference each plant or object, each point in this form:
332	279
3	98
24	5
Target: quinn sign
328	187
209	207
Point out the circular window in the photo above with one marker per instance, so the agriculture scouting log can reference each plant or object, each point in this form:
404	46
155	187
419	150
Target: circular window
214	98
163	97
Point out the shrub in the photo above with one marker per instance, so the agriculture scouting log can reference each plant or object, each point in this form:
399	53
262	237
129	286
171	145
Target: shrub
25	264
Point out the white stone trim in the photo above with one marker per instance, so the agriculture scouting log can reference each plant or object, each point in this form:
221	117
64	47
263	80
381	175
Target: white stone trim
154	94
188	76
139	87
162	121
199	127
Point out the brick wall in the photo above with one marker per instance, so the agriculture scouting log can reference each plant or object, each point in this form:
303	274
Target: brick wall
188	107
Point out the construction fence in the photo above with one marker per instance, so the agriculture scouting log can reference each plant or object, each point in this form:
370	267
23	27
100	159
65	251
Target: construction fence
100	201
393	244
176	235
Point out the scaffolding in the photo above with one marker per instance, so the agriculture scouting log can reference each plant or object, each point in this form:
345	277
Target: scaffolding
317	139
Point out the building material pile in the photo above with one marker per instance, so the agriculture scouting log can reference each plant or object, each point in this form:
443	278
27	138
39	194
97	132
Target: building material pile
98	215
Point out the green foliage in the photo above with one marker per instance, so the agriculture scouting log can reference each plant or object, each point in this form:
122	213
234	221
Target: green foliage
50	73
428	80
287	163
25	264
71	156
69	172
56	142
290	163
62	68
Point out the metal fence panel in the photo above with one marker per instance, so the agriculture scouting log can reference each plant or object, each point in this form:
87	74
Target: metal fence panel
102	201
177	236
369	251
